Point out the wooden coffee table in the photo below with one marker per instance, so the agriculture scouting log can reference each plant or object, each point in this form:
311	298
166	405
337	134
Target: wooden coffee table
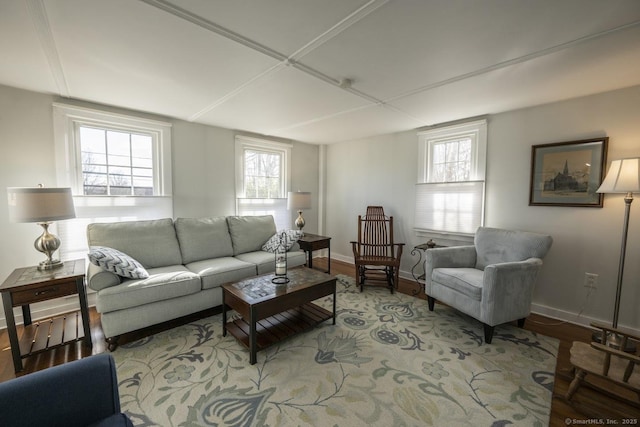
270	313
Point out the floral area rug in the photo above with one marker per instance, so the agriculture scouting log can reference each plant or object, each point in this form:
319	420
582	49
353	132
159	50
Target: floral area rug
388	361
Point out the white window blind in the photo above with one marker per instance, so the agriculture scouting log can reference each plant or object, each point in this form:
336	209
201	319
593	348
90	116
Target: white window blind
73	232
275	207
453	207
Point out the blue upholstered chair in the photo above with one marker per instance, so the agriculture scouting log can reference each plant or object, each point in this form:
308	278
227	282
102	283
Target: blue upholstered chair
491	281
77	394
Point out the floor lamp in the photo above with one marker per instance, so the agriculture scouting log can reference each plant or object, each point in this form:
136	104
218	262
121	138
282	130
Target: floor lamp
623	177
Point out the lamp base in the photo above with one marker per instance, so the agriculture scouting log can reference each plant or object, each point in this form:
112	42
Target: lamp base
300	223
50	265
614	341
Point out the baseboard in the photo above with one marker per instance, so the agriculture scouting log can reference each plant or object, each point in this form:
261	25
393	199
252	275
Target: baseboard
553	313
576	318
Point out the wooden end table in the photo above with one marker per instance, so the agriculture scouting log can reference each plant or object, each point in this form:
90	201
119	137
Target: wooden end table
28	285
313	242
270	313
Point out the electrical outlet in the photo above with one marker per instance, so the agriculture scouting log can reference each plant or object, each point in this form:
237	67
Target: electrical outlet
590	280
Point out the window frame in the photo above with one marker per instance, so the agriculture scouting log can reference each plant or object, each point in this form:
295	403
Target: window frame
244	143
475	130
67	121
262	206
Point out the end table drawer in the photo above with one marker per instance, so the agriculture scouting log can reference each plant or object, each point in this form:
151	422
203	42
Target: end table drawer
44	293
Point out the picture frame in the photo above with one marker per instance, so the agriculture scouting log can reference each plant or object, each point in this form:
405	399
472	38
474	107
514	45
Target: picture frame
568	173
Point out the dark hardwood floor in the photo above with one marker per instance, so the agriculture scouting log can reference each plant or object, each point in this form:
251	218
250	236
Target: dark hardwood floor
597	401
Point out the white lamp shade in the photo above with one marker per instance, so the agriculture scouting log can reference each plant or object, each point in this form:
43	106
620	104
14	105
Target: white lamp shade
623	177
299	200
40	204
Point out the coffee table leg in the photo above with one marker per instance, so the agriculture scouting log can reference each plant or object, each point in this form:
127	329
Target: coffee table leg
252	338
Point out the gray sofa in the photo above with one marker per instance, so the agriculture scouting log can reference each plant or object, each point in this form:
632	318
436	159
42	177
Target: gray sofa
187	261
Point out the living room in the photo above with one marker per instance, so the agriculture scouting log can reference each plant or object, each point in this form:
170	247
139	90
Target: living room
379	166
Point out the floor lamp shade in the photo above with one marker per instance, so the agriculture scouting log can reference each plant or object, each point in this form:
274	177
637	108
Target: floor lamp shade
623	177
43	206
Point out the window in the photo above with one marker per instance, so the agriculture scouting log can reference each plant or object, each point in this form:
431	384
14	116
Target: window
450	188
118	167
116	162
262	178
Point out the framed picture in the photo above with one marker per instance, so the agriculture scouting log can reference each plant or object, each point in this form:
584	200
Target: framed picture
568	173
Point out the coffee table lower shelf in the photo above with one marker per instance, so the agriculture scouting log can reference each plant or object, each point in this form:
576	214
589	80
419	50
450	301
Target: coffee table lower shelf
280	326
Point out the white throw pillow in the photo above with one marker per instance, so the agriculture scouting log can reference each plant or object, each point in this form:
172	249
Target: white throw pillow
291	237
117	262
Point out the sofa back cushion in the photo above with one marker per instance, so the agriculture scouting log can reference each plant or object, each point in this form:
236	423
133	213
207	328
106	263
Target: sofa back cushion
249	233
203	238
153	243
494	245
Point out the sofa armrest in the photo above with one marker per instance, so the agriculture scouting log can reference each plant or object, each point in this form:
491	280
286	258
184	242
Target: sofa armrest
452	257
98	278
507	290
77	393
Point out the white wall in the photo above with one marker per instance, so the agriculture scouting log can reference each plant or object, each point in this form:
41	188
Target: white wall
202	167
382	170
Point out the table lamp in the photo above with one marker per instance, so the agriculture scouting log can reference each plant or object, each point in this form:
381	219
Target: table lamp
299	200
43	206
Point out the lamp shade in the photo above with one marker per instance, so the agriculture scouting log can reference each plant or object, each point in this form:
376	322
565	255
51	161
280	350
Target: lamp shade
299	200
40	204
623	177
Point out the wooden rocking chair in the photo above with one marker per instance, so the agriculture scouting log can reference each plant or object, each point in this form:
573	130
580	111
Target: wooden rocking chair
376	256
605	362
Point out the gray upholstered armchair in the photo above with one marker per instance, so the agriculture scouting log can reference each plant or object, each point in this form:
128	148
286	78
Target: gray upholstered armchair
491	281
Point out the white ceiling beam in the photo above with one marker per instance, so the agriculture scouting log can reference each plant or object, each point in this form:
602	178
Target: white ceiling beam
38	14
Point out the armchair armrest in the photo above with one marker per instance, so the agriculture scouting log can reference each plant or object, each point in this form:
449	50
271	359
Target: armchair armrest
507	290
453	257
77	393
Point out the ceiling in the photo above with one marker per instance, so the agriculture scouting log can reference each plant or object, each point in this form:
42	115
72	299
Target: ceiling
320	71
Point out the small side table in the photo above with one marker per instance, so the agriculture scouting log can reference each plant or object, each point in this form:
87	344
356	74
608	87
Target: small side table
419	278
28	285
313	242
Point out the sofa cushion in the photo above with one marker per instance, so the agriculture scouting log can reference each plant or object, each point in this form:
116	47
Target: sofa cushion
249	233
203	238
495	245
117	262
163	283
265	261
290	238
215	272
153	243
467	281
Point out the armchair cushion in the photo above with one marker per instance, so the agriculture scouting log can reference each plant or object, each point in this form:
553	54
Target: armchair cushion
467	281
